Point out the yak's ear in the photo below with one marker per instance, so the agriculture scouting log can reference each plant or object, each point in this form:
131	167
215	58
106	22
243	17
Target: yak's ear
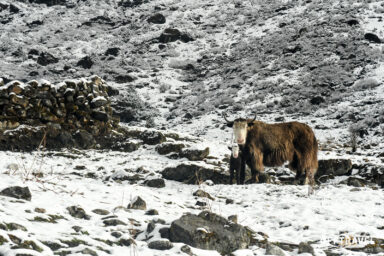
230	124
250	124
230	148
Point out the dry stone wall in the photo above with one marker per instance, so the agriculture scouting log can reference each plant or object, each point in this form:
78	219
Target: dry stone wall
73	104
70	113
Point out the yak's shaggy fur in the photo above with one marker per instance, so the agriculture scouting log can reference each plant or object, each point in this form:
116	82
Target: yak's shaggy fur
274	144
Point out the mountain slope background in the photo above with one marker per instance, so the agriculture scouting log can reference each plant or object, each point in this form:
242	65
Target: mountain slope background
179	65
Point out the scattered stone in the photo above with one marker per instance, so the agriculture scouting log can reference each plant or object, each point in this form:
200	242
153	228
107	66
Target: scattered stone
194	174
155	183
195	154
53	245
46	58
137	203
152	137
152	212
17	192
233	218
166	148
100	211
85	62
88	251
229	201
306	248
372	38
78	212
116	234
201	203
355	182
202	193
114	51
186	249
150	227
126	242
12	226
172	35
40	210
272	249
164	232
334	167
113	222
157	18
209	231
160	245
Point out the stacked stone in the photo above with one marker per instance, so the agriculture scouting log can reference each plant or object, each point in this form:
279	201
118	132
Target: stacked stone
73	104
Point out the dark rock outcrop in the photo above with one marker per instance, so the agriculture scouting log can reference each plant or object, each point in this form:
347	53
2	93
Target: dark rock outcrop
157	18
195	154
78	212
172	35
155	183
335	167
137	203
193	174
209	231
17	192
160	245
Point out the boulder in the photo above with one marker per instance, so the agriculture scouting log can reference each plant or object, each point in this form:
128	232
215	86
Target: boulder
160	245
202	193
85	62
335	167
195	154
372	38
78	212
209	231
155	183
194	174
166	148
152	137
306	248
172	35
157	18
137	203
272	249
17	192
46	58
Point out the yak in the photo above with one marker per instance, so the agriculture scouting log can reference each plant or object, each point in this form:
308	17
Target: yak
236	165
272	145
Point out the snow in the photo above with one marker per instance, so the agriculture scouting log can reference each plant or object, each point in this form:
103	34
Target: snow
286	213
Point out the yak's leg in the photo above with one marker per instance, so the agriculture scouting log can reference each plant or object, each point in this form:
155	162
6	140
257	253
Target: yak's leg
231	170
238	171
309	177
256	164
241	175
310	180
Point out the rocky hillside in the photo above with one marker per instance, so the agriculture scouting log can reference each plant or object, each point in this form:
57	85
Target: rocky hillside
157	184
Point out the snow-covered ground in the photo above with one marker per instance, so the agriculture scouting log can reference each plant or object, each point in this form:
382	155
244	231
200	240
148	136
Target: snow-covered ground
284	213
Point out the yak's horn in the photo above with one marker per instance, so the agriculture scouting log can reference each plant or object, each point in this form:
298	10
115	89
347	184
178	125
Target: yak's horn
254	118
225	118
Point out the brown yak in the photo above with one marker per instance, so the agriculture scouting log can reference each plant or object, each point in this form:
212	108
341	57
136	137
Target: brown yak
274	144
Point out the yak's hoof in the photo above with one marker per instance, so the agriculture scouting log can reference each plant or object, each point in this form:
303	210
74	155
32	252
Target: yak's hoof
264	178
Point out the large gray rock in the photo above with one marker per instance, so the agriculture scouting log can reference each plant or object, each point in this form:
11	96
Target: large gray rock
194	174
17	192
160	245
335	167
209	231
272	249
195	154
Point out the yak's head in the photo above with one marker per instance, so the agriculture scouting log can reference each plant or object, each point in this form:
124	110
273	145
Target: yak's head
240	128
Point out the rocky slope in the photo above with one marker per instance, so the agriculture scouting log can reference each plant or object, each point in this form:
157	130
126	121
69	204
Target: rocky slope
178	65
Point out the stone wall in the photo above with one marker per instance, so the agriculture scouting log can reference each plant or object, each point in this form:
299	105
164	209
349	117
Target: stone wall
73	113
73	104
